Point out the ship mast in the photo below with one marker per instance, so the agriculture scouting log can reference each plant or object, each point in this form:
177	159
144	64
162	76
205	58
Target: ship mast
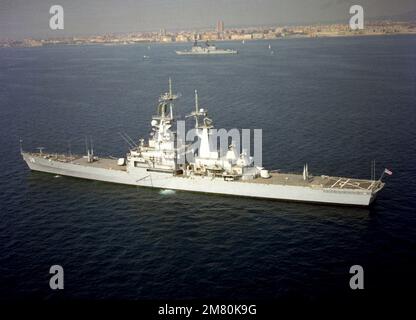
167	99
196	109
170	96
198	112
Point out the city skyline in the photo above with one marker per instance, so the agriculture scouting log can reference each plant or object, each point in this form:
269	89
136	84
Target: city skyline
22	19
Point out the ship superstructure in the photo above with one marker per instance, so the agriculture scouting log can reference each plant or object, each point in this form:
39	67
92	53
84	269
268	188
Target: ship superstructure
160	153
161	162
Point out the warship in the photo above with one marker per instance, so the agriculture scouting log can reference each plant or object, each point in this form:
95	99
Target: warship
207	49
159	163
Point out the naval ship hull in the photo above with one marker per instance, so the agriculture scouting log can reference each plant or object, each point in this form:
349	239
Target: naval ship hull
107	170
183	53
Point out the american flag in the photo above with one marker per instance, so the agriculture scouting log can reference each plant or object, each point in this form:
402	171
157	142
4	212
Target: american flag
387	171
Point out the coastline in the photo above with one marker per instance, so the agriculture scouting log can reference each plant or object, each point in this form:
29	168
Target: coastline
246	34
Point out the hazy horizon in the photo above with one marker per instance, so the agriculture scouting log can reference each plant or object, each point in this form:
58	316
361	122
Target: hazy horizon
22	18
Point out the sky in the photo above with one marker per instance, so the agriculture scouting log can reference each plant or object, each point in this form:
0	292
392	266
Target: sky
30	18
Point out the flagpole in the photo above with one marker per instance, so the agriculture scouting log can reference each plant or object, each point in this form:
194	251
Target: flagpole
382	175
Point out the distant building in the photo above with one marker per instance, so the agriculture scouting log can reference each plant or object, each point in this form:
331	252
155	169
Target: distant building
210	36
220	26
167	39
270	35
258	36
241	37
182	38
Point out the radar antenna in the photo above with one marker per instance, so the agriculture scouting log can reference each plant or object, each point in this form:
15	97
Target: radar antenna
166	100
169	96
199	112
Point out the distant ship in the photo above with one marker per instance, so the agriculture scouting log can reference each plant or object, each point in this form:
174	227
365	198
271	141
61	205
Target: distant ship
156	164
207	49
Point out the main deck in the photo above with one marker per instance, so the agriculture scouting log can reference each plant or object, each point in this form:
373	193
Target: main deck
322	181
276	178
104	163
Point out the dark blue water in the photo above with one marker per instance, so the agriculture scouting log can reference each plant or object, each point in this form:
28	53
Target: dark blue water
334	103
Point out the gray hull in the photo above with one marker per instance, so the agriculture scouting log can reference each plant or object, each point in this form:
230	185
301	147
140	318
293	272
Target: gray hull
144	177
217	52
